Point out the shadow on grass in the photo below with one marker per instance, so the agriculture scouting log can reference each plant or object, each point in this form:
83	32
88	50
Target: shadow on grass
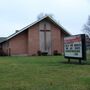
76	62
65	62
72	62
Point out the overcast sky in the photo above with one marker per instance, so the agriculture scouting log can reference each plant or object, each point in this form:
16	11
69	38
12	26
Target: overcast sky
16	14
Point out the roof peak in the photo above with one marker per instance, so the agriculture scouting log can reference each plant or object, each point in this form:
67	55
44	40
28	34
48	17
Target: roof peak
42	15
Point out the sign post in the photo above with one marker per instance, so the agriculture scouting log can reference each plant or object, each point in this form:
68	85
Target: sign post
75	47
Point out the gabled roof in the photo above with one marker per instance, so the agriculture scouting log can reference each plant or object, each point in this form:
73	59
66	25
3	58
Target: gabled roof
45	17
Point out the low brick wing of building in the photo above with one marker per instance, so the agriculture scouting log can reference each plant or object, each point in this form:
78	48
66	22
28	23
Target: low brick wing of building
43	36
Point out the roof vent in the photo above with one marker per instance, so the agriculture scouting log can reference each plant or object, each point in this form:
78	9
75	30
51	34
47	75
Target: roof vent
16	31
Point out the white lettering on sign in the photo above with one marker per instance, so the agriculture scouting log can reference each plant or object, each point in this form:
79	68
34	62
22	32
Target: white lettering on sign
73	46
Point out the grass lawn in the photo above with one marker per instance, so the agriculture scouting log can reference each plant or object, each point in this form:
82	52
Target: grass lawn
43	73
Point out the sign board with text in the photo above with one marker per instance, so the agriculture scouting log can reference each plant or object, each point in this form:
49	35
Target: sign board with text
74	47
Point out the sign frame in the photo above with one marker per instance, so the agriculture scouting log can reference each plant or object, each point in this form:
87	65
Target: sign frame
83	47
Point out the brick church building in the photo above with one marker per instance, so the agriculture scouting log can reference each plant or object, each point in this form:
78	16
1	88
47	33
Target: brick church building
45	36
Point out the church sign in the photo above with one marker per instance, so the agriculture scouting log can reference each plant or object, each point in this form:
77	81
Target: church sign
74	47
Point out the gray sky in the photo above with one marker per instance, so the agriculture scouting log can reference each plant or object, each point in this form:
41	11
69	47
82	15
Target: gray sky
16	14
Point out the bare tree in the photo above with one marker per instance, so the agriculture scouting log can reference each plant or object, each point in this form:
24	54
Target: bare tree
41	15
86	28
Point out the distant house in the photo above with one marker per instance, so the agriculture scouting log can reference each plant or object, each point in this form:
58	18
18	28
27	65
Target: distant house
43	36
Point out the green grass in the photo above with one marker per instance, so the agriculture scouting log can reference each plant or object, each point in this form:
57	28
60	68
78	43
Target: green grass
43	73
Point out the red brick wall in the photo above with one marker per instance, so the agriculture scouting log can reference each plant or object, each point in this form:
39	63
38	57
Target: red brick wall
18	44
62	42
56	39
33	40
